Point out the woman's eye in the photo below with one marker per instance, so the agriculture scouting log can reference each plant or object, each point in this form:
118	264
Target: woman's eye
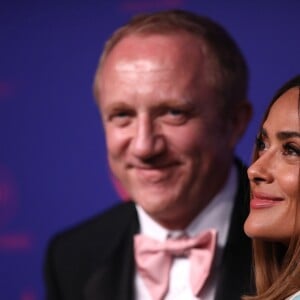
260	144
291	149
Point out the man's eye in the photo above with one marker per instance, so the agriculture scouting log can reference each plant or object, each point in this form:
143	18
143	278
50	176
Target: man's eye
120	114
175	116
120	118
175	112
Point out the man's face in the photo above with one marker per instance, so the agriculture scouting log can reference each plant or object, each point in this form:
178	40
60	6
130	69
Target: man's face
166	141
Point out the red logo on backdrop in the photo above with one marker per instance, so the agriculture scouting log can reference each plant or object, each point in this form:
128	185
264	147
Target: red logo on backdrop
10	241
144	5
28	295
120	189
6	89
8	197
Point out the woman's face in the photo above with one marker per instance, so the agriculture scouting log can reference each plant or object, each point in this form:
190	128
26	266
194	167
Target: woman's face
274	176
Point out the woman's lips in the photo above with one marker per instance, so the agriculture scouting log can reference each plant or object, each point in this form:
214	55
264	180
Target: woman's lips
264	201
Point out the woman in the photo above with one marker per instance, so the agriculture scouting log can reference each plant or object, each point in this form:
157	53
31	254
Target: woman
274	219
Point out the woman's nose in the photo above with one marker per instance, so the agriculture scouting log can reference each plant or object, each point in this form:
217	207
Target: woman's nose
261	169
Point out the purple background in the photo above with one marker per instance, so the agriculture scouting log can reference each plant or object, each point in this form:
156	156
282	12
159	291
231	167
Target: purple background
53	170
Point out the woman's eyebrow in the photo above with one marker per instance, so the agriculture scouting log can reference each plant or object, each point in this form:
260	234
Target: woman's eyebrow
263	133
283	135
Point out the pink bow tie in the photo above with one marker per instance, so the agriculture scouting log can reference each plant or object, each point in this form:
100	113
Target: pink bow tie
154	259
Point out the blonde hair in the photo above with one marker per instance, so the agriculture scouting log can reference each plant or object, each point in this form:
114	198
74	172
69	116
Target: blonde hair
228	71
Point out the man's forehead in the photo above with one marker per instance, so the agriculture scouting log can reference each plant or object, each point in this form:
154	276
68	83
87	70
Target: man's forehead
141	65
136	46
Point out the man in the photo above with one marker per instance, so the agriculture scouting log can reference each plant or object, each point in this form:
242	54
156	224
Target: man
171	88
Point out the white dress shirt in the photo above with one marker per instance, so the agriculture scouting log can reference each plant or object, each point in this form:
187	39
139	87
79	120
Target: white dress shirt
216	215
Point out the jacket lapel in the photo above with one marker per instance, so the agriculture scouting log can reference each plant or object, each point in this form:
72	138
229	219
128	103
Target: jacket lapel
113	280
235	277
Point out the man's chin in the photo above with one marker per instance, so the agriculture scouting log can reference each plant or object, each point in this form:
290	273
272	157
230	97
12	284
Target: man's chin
158	207
168	218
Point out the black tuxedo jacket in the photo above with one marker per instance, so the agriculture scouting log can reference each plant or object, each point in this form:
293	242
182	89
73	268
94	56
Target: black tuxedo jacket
94	261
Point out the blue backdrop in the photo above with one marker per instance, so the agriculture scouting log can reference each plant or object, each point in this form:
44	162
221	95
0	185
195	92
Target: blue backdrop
53	169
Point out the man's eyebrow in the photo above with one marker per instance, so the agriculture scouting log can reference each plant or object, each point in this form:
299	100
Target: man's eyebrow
118	105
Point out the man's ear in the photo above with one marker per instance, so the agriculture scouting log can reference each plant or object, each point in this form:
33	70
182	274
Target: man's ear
240	118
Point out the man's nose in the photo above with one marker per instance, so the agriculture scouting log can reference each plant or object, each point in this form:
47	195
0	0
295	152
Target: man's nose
261	169
148	140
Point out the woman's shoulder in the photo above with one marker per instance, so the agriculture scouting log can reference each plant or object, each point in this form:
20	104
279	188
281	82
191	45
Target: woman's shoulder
295	296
